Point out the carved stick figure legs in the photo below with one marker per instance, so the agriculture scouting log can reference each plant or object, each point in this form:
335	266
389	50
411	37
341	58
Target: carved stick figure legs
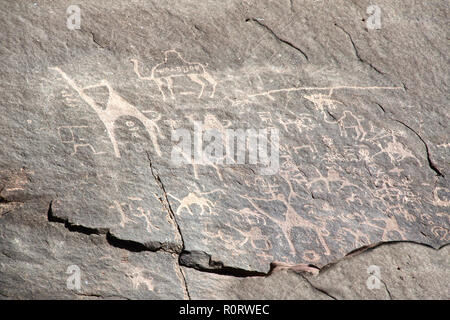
197	78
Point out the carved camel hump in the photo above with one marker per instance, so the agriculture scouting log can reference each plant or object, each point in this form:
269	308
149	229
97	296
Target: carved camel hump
174	65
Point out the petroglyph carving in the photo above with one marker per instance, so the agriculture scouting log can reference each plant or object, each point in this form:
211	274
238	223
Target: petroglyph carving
440	232
69	98
256	238
396	151
116	107
14	180
323	103
72	135
206	206
174	65
123	217
224	232
291	217
136	211
441	196
350	122
303	122
138	278
269	93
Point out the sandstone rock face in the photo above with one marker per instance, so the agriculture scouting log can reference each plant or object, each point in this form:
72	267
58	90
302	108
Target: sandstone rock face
106	127
395	271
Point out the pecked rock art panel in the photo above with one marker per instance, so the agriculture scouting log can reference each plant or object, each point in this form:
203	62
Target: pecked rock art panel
106	140
360	115
348	175
174	67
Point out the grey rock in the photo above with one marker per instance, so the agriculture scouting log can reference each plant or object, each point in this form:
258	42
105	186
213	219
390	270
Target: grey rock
283	285
395	271
389	271
39	258
362	115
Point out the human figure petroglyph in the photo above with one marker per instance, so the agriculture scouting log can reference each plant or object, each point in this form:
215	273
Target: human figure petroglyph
136	212
138	278
71	135
175	66
212	123
116	108
123	217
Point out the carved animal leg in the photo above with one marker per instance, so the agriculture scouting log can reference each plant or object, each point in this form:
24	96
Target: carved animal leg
211	81
160	85
196	79
110	130
170	86
151	131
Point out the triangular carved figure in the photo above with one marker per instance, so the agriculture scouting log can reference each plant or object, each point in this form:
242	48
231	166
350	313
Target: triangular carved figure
116	107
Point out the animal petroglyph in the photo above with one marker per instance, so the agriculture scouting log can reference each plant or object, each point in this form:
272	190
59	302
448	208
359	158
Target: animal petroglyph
350	122
397	151
291	218
116	107
174	66
206	206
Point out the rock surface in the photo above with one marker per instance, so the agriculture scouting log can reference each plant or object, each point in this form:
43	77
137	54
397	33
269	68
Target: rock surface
88	130
396	271
38	258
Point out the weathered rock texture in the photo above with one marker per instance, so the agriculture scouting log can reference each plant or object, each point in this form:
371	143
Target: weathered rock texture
405	271
87	176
